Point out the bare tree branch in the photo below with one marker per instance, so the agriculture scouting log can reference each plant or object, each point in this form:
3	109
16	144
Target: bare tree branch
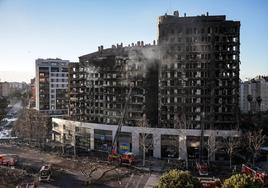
212	148
87	169
145	141
181	124
33	126
255	141
231	146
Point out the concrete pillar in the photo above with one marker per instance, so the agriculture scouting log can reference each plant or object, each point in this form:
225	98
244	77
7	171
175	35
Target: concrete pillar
135	142
53	136
113	133
61	134
62	138
182	147
212	140
91	139
157	145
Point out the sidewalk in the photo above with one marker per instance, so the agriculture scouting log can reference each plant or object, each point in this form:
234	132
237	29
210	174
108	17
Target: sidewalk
152	181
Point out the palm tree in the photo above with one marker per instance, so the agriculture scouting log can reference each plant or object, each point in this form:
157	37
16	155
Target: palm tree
250	99
259	100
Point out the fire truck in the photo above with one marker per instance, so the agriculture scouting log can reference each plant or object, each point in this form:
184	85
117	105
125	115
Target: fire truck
257	173
45	173
27	185
8	159
202	168
126	157
209	182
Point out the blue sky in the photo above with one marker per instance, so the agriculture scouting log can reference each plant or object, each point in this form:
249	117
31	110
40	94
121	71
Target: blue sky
67	29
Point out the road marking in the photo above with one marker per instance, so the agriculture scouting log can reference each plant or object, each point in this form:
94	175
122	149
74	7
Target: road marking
152	181
137	186
129	180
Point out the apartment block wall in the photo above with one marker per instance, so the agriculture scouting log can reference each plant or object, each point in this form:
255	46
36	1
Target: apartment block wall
51	86
199	71
191	76
193	72
5	89
9	88
244	92
257	87
100	82
64	132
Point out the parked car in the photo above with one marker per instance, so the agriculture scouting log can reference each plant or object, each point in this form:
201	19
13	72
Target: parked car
8	159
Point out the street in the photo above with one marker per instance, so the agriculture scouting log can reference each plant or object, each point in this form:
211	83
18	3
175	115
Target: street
66	171
67	174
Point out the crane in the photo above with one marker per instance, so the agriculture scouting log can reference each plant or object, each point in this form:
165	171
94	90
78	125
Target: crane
114	155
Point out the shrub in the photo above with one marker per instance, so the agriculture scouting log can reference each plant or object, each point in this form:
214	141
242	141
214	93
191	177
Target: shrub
241	181
178	179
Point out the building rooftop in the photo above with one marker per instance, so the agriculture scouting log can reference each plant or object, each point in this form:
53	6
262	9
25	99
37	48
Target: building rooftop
204	17
117	50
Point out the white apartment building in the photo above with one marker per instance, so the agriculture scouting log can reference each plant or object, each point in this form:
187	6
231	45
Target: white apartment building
52	86
256	87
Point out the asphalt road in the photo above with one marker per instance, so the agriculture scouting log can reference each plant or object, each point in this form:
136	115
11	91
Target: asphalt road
32	160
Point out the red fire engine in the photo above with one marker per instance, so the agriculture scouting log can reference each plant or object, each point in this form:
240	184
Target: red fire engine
126	157
8	159
258	173
209	182
202	168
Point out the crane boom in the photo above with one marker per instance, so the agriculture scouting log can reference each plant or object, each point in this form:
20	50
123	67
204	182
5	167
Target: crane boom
121	122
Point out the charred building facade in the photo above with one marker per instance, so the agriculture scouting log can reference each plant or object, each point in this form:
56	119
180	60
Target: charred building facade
100	82
199	72
189	78
194	71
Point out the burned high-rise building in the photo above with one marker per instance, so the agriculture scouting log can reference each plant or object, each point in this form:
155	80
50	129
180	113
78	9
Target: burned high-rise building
100	82
187	85
194	71
199	72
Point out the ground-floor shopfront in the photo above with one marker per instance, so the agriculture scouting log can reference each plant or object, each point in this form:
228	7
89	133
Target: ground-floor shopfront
159	142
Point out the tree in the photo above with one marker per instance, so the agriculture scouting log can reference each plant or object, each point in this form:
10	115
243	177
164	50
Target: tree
259	100
181	124
255	141
33	126
10	178
212	148
241	181
88	169
250	99
231	145
3	106
95	172
146	142
178	179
